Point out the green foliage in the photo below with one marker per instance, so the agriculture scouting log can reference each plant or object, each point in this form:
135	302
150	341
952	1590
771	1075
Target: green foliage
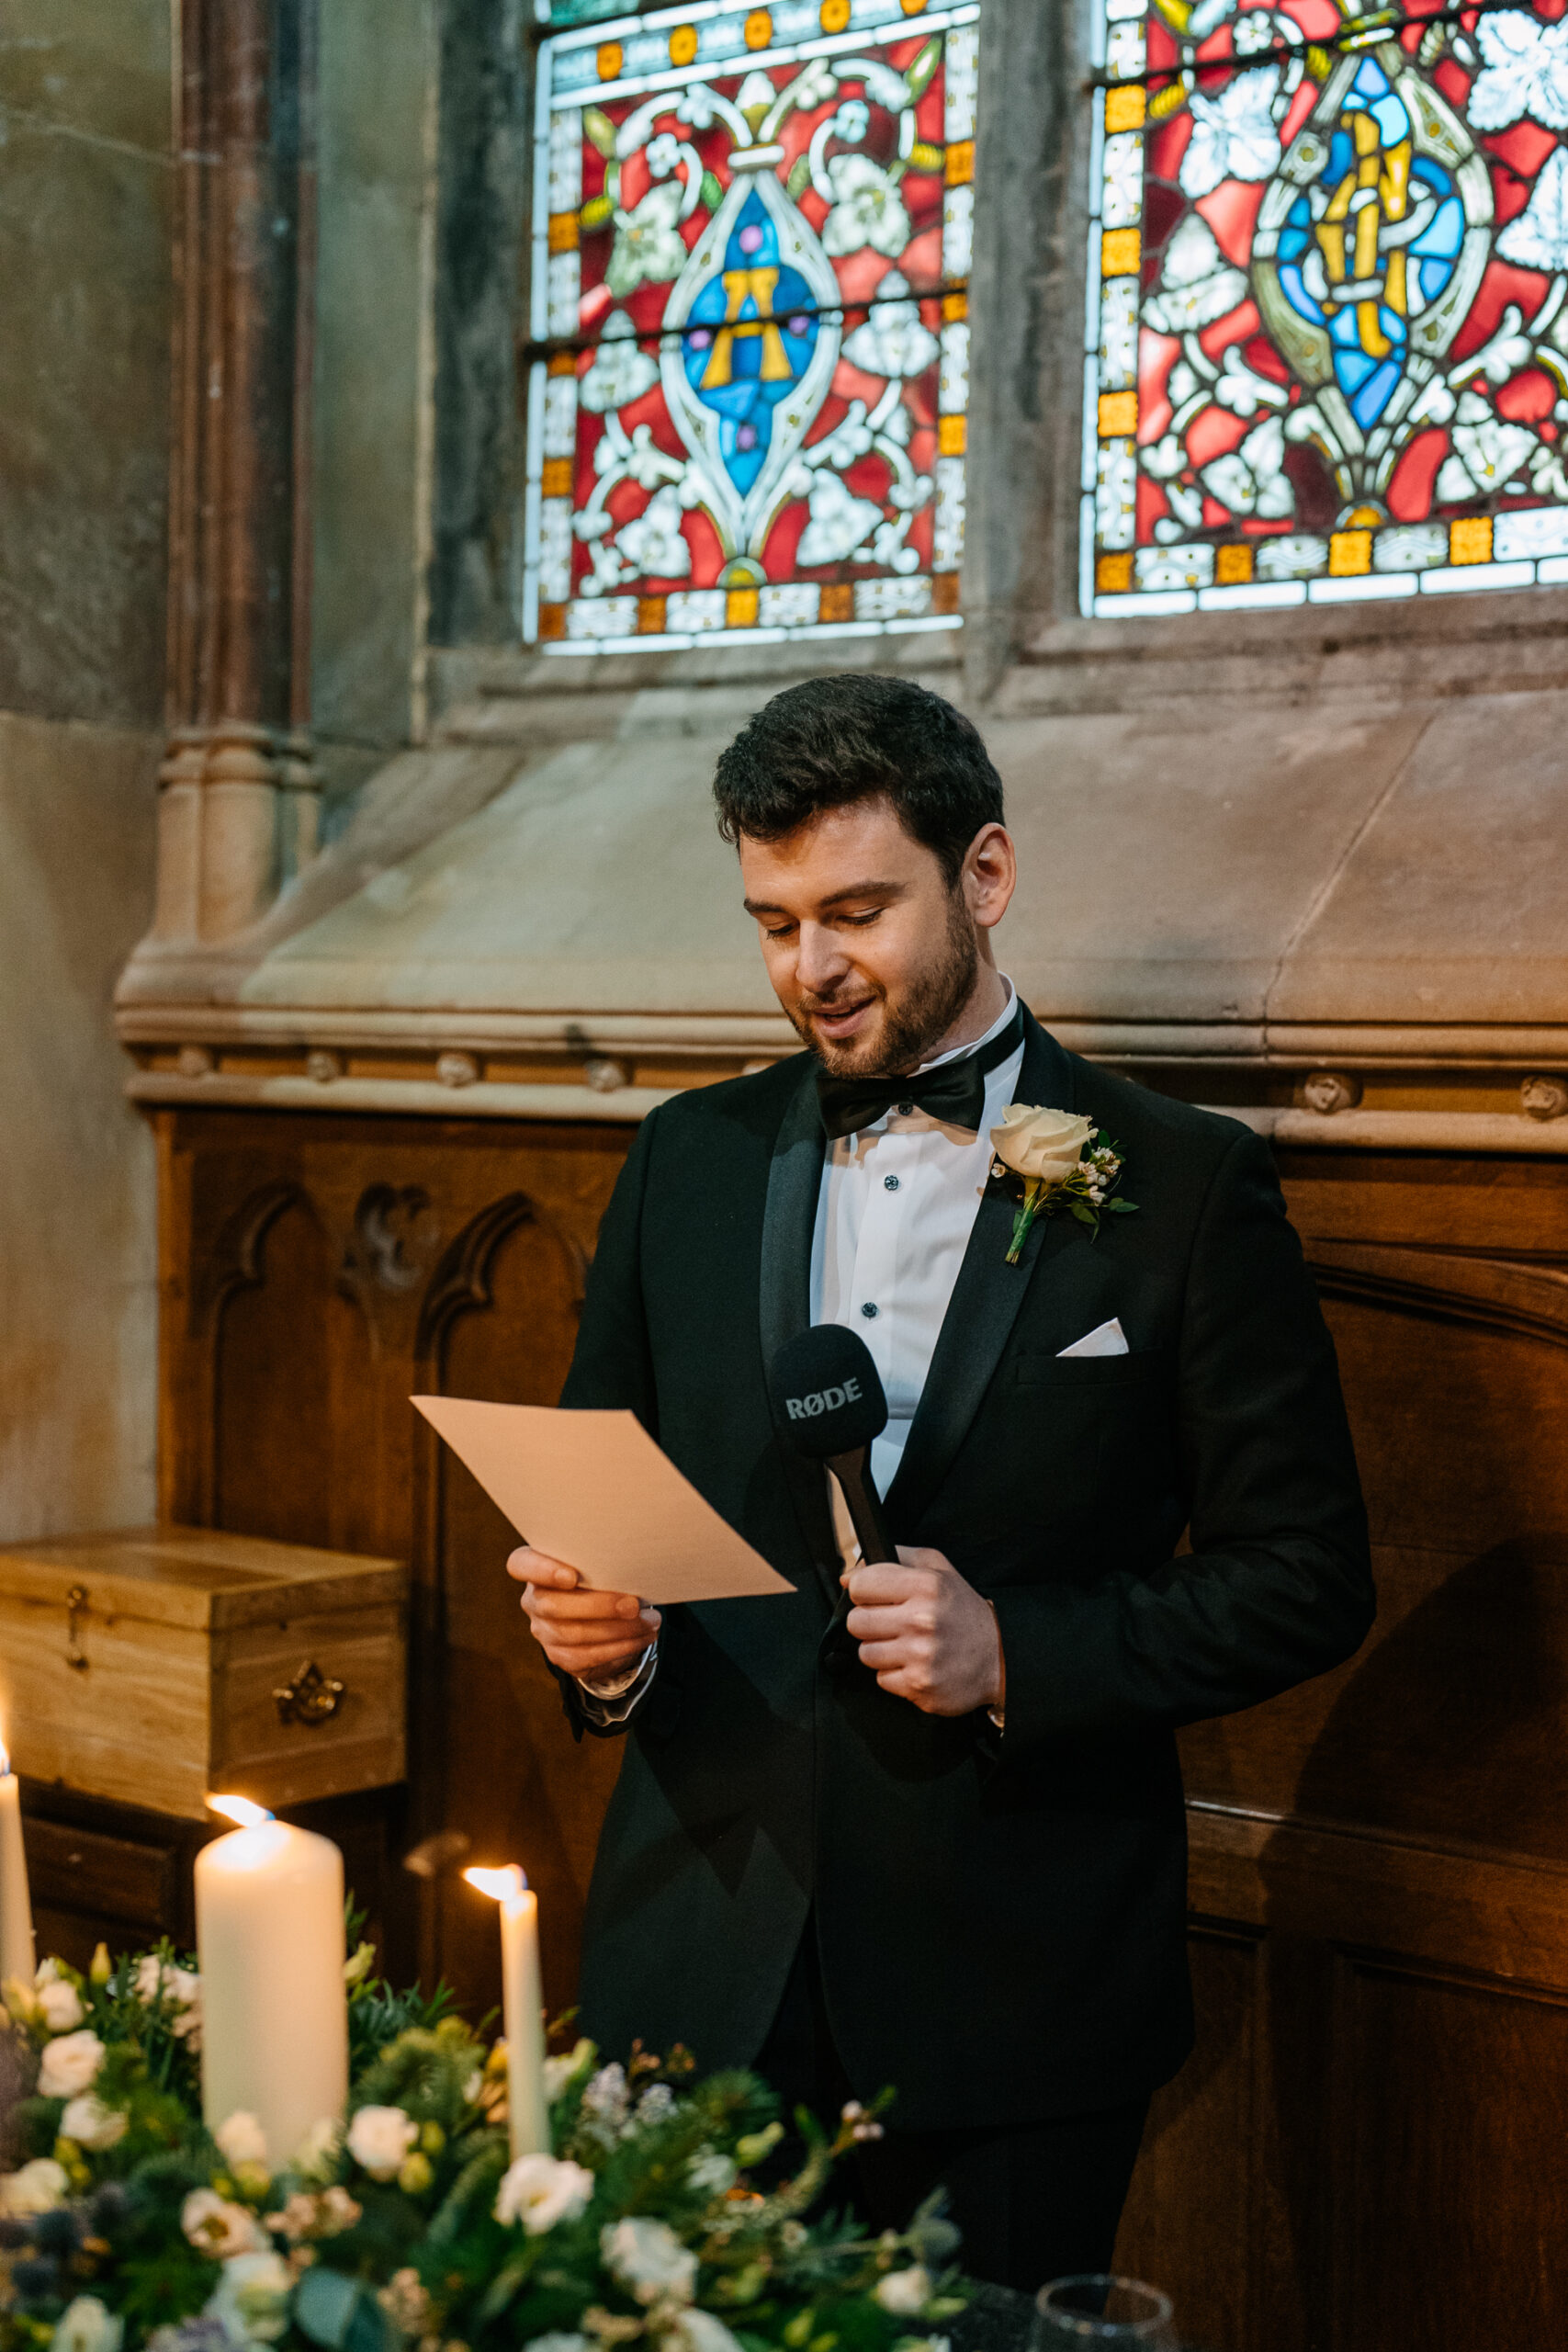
653	2207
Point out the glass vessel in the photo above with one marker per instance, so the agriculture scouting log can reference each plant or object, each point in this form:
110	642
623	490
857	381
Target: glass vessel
1097	2312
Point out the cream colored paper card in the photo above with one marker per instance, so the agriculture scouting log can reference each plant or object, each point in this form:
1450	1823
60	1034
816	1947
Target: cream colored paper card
593	1488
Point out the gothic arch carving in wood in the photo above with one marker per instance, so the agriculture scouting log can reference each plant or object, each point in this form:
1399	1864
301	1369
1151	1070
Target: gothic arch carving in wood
462	1282
238	1256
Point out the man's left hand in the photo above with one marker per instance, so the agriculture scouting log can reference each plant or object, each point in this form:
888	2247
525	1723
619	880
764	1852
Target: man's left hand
927	1635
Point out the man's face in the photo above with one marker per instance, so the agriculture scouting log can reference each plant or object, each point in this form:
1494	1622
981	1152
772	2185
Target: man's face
870	952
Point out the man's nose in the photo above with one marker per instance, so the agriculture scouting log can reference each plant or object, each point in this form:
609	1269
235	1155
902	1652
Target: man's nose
821	961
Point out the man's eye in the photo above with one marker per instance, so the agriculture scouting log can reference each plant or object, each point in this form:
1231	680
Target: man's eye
861	921
778	931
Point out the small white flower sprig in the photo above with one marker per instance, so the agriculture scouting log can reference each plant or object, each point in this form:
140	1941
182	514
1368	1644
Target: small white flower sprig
1055	1159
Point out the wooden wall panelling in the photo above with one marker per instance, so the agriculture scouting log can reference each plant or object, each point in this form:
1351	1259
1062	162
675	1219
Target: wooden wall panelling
316	1273
1394	1835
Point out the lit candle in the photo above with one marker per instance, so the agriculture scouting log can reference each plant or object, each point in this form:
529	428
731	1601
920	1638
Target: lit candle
16	1903
523	2007
269	1935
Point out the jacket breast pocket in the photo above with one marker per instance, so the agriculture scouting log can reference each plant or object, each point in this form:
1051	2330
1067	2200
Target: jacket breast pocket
1094	1376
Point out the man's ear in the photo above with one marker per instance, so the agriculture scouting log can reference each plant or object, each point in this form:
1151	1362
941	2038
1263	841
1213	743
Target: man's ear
989	875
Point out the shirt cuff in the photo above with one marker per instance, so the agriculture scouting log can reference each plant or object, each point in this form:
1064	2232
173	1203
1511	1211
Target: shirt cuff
610	1697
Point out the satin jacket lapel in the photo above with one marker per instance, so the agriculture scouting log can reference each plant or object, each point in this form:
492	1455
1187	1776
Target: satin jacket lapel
984	1306
789	1220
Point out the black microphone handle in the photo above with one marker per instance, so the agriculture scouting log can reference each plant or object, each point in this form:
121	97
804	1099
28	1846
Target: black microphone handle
853	1474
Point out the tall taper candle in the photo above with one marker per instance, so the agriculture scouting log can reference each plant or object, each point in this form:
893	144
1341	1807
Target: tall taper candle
269	1937
16	1903
523	2007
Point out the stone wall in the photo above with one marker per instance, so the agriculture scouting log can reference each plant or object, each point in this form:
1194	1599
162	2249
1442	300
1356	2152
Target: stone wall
85	197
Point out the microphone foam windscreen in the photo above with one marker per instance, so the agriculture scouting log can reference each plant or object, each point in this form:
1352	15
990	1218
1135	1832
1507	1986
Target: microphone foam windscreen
827	1391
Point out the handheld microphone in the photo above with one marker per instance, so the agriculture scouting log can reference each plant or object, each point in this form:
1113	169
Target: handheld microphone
828	1398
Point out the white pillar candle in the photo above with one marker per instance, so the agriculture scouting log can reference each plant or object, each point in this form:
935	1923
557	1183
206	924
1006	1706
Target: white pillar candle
16	1903
269	1933
523	2007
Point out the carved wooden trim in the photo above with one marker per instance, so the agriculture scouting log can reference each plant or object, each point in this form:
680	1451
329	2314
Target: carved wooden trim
1523	1296
462	1281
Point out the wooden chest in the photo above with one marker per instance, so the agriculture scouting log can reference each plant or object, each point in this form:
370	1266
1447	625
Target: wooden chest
154	1663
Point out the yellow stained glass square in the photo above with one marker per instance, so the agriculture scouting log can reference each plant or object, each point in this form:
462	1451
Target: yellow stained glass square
1469	540
1114	574
563	232
1118	414
1120	253
960	163
555	477
951	436
552	620
1233	566
740	608
650	612
1126	107
1349	552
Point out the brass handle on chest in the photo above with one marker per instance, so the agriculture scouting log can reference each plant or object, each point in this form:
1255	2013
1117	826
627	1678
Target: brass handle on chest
311	1697
76	1610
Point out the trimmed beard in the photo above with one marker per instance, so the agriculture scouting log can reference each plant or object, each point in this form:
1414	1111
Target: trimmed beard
921	1018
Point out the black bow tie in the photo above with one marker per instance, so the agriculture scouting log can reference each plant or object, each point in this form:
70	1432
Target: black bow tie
953	1092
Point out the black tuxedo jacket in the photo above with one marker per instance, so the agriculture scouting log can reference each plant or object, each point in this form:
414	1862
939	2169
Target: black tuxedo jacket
1001	1916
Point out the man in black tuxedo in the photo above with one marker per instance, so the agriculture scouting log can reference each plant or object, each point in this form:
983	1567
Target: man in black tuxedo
948	1852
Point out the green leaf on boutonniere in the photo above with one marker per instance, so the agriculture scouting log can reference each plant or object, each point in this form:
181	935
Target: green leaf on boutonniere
1083	1212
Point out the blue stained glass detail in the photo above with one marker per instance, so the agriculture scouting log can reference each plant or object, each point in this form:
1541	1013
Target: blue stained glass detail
749	339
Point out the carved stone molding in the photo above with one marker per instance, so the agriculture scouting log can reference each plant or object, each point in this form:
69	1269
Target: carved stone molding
237	811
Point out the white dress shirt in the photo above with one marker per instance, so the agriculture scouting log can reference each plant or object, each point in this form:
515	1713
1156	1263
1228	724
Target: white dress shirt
894	1216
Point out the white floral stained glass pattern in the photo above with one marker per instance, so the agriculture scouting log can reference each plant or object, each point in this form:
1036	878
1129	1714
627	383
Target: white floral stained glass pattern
749	372
1326	349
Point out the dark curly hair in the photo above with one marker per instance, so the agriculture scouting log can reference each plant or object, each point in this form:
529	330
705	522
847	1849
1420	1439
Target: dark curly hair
833	740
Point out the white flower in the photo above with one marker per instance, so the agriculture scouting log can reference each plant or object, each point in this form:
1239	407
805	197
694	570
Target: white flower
1526	72
541	2190
557	2340
218	2226
653	543
70	2063
1537	238
380	2138
839	521
1034	1141
1257	31
1492	451
852	121
893	340
620	371
251	2300
1234	135
604	2098
663	153
867	208
649	2259
647	243
241	2138
906	2293
92	2124
697	2331
319	2148
87	2326
711	2172
1196	283
60	2006
657	2101
558	2072
39	2188
1252	480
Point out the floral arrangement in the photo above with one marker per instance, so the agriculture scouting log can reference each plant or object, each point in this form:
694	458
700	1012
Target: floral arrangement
1049	1159
655	2222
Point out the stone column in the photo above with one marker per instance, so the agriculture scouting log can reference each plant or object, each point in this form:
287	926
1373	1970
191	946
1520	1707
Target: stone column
238	804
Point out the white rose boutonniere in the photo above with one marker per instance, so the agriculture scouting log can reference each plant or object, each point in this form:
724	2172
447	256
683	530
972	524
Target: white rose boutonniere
1055	1160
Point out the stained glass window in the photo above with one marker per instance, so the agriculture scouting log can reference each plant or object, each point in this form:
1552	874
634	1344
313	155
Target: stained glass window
1327	339
749	343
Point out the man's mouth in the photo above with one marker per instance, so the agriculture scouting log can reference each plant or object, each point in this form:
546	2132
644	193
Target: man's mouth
841	1021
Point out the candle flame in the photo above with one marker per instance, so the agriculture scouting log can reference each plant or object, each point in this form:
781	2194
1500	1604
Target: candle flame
5	1756
503	1884
241	1809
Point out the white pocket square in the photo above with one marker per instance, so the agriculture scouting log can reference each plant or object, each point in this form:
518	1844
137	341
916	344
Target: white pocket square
1105	1339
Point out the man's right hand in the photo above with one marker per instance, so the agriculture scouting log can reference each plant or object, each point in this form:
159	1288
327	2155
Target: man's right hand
580	1633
